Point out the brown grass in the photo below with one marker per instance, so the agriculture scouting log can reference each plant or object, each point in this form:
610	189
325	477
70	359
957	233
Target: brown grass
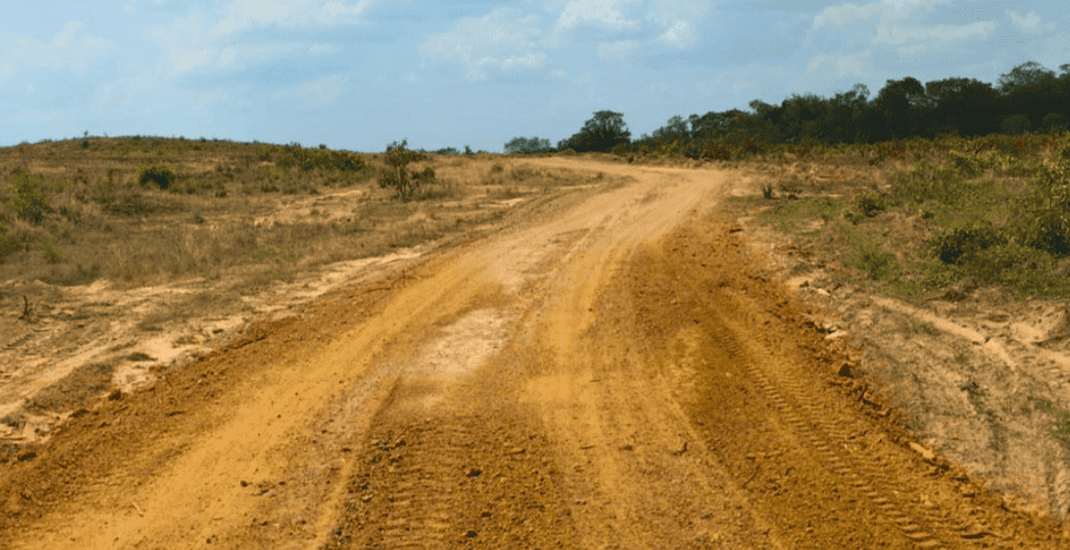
231	211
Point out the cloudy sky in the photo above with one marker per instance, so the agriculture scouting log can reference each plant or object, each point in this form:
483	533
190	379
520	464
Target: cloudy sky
357	75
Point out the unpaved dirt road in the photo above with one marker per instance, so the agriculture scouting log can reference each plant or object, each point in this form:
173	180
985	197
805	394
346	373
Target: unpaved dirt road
615	374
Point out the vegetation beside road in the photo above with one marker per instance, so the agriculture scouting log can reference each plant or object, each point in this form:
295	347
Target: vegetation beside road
141	210
923	217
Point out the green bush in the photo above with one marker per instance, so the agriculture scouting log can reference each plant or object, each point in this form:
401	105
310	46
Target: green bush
293	155
50	252
870	204
396	177
30	202
876	263
1043	215
960	245
968	165
8	245
160	174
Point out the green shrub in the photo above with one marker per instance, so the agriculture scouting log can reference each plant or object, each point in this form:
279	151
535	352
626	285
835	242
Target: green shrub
30	201
160	174
876	263
959	245
968	165
397	177
8	245
1043	215
50	252
870	204
293	155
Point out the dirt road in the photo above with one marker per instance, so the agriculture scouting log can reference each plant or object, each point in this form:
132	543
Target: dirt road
616	374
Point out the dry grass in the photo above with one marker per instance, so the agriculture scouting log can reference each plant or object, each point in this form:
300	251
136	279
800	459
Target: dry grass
251	210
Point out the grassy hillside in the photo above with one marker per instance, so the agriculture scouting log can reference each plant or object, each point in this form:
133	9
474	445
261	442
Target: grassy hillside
139	210
924	217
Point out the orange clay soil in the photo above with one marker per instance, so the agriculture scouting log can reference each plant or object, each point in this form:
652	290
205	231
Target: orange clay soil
617	374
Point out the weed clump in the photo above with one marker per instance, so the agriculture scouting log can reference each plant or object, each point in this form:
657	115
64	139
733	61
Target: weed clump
962	244
30	202
159	174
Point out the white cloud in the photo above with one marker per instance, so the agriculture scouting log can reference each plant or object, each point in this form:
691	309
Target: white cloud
917	40
678	18
898	24
502	40
845	15
70	49
320	92
617	51
223	42
854	64
324	49
670	22
323	90
606	14
241	15
1030	23
680	35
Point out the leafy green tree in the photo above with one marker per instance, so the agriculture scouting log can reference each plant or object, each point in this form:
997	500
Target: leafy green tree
962	105
528	146
1015	124
603	132
675	129
902	104
406	185
1025	75
1054	122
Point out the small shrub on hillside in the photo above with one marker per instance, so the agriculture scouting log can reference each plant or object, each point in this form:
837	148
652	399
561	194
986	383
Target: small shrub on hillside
1044	214
396	177
970	167
49	252
293	155
960	245
876	263
159	174
870	204
8	245
427	175
30	202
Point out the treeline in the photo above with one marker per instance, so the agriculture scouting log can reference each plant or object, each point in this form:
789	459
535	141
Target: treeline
1028	99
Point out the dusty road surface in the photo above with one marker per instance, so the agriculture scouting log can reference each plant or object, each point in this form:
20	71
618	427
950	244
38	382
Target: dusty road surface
614	374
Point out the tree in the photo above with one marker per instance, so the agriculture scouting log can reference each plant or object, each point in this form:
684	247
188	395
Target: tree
1015	124
675	129
601	133
902	104
1055	122
962	104
528	146
397	178
1025	75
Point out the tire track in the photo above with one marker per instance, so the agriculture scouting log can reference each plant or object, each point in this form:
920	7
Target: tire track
866	475
418	471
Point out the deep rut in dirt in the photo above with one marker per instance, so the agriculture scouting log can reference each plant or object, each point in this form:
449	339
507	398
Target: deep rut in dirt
589	381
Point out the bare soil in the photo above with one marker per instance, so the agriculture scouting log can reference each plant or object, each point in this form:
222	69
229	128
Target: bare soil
980	375
621	371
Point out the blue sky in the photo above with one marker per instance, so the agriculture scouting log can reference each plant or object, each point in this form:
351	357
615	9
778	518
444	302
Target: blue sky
357	75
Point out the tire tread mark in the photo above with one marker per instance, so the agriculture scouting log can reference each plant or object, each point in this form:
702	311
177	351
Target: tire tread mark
800	414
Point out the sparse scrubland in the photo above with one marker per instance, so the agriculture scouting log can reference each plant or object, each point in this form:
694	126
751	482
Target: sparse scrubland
918	218
141	210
